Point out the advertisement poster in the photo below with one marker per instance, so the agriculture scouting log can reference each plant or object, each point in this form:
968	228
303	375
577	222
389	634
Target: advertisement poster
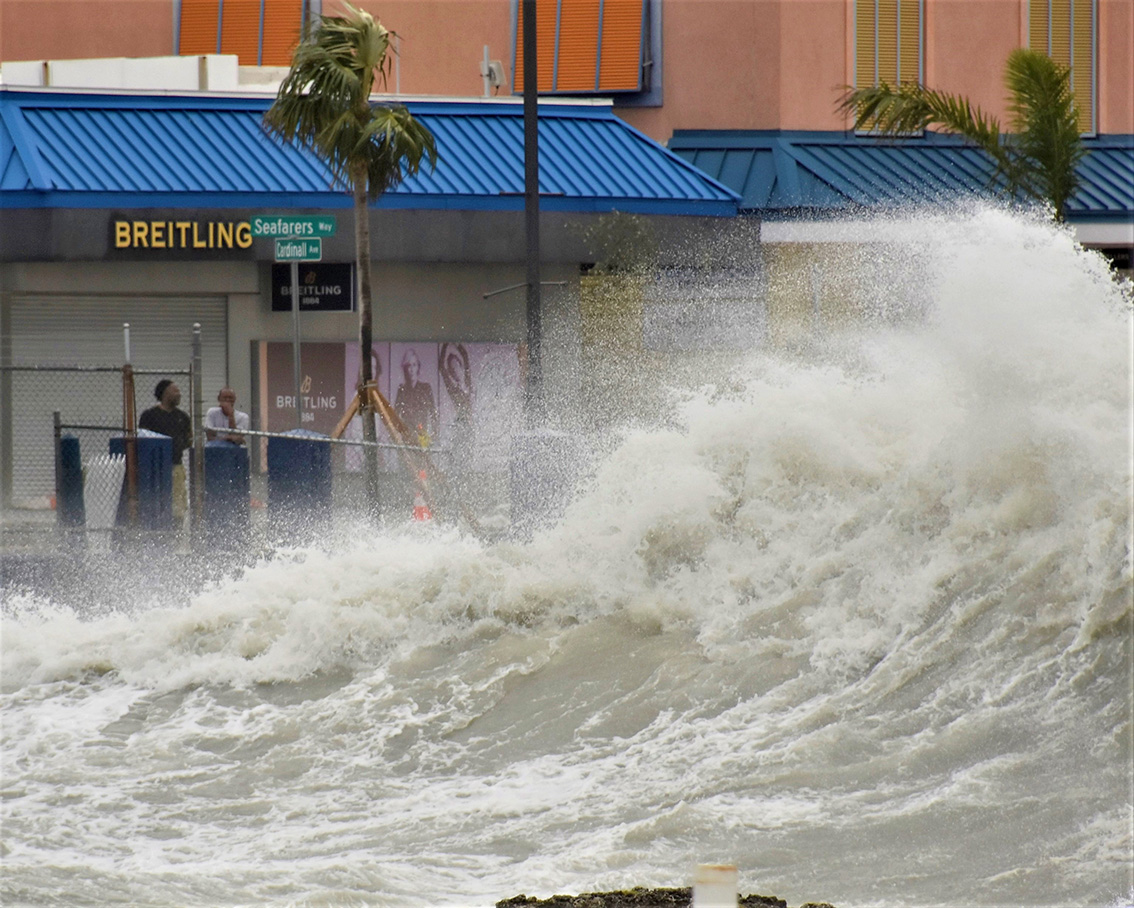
465	399
481	403
414	389
321	386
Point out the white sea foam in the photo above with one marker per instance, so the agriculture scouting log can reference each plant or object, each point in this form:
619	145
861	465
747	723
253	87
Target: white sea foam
858	620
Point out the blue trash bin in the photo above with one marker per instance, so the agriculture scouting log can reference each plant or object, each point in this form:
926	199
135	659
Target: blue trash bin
226	492
70	508
155	479
299	477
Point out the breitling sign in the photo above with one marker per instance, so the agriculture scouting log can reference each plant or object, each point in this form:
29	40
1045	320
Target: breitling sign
323	287
190	235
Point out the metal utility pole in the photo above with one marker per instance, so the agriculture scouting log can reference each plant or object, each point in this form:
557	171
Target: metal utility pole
531	213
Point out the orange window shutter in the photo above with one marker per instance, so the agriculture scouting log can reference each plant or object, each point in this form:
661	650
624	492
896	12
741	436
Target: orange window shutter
1060	31
1083	62
1037	25
864	74
909	41
621	50
198	32
283	24
546	25
518	62
888	41
578	45
240	30
1064	29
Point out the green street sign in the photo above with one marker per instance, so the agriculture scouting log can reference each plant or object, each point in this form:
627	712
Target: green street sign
292	225
299	250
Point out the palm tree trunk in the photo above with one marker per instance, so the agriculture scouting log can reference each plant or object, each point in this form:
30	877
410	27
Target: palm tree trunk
365	330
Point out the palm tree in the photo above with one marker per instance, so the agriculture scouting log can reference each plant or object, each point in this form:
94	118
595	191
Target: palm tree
323	104
1038	157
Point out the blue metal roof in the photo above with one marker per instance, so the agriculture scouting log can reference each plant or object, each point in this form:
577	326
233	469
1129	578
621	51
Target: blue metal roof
73	149
780	173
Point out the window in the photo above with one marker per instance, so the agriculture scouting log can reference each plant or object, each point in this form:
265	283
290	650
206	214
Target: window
888	45
1065	31
589	46
259	32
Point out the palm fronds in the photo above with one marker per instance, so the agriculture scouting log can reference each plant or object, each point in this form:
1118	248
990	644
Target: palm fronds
1045	125
1039	156
910	108
324	105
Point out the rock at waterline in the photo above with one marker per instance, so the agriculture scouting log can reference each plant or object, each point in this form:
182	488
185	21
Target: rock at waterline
640	898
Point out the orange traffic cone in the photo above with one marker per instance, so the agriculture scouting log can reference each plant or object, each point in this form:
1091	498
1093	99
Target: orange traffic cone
420	508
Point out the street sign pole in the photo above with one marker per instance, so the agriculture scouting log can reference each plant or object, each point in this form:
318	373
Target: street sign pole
295	343
298	238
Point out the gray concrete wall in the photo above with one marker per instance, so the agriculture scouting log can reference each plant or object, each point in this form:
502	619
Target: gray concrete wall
434	301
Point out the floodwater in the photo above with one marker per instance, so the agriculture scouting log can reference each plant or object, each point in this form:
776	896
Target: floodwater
857	619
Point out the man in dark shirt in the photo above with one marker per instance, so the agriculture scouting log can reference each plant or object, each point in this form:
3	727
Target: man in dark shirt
167	419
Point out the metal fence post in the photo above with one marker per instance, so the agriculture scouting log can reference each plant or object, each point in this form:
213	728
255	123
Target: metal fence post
57	425
130	441
198	465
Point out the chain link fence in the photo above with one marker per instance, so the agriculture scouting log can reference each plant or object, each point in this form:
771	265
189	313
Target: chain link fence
46	408
90	401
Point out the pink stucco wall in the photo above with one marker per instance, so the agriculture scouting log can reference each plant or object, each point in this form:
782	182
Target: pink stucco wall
813	63
78	29
780	64
714	54
727	64
967	42
966	45
441	42
1116	66
748	64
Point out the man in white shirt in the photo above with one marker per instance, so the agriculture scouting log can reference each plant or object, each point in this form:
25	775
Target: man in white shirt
226	416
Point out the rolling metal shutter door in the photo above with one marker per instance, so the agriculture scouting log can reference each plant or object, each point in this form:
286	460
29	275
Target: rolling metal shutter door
86	331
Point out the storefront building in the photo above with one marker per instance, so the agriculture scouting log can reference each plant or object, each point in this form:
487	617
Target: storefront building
136	207
746	91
